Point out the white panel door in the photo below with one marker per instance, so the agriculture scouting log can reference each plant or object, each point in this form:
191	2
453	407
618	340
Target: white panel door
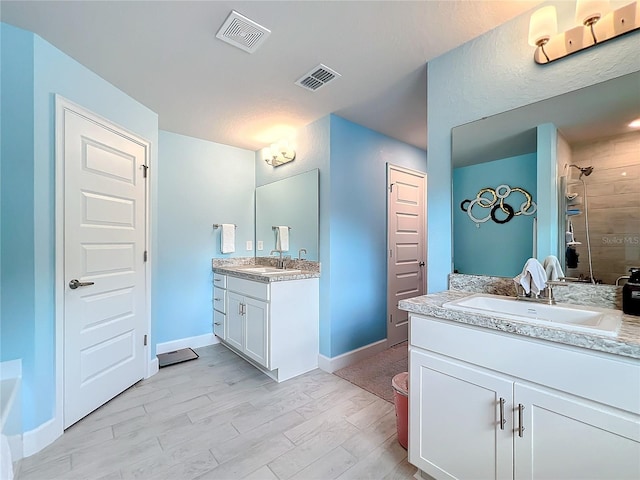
406	275
104	242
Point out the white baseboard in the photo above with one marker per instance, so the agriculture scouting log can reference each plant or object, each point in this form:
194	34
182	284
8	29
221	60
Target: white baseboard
336	363
152	367
35	440
189	342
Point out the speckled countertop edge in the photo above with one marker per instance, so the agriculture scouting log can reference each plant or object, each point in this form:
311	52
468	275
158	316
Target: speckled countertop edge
627	342
235	268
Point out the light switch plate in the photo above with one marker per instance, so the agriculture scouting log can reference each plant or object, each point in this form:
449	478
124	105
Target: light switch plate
260	245
249	245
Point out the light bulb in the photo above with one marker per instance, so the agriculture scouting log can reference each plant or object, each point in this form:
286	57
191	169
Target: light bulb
542	26
590	11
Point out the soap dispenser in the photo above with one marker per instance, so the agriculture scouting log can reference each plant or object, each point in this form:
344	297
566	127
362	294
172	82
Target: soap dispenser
631	293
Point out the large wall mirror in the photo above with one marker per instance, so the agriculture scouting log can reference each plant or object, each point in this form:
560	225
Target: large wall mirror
292	202
577	158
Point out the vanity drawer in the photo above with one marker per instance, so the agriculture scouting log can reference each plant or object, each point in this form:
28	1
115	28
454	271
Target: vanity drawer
219	280
218	299
218	324
249	288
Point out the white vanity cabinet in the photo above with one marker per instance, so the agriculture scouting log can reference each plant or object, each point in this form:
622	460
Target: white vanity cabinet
274	325
492	405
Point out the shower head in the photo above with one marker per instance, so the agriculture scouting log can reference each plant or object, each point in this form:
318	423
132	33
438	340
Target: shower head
586	171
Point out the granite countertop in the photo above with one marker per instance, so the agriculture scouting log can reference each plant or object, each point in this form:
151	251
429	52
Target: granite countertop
240	271
626	343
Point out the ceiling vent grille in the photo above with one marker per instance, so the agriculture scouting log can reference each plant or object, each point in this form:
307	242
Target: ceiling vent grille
239	31
317	77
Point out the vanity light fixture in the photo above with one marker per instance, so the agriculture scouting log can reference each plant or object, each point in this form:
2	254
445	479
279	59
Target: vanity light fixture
635	123
597	24
279	153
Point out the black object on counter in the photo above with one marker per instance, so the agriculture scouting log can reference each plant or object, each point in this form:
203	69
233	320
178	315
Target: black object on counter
631	293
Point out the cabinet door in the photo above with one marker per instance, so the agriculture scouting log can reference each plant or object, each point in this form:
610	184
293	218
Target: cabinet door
234	329
566	437
256	330
455	420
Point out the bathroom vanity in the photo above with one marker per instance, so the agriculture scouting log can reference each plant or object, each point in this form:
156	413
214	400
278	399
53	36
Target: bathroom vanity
268	316
497	398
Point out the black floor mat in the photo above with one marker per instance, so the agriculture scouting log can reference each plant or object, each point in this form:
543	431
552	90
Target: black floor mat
177	356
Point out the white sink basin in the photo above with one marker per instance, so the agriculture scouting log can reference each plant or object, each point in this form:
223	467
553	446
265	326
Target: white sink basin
602	321
270	270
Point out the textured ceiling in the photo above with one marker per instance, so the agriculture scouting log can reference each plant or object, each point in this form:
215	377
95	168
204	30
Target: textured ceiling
165	55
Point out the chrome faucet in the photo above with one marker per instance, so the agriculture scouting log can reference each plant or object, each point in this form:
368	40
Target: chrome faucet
280	263
300	253
546	295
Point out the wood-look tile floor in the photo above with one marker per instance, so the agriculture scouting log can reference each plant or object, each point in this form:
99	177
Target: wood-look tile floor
218	417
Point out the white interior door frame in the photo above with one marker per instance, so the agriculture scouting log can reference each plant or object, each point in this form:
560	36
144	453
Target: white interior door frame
62	105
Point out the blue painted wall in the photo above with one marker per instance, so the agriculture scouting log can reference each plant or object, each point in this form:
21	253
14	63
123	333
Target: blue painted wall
358	232
547	180
28	210
201	183
353	166
17	323
491	74
504	247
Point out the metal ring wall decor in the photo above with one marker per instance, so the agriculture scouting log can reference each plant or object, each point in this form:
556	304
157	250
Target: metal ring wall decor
497	201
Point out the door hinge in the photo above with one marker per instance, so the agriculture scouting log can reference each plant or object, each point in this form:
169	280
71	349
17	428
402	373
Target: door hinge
391	187
145	256
145	340
391	318
390	253
144	170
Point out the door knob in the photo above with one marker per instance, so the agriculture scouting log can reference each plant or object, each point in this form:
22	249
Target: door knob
75	283
421	264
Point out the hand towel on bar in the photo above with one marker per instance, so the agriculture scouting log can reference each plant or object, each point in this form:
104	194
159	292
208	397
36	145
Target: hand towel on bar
552	267
533	277
282	240
228	238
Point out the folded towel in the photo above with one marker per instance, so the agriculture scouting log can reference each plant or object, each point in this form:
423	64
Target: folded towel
282	238
552	267
228	238
533	277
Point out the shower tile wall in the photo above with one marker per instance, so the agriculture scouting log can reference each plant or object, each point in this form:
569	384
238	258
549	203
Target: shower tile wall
614	206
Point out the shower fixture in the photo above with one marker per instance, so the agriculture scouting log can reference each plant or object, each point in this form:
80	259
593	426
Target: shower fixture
586	171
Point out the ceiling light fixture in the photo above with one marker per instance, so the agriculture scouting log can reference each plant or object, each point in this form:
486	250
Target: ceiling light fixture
635	123
596	25
279	153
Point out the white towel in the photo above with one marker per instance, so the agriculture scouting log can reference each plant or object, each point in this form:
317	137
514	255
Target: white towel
228	238
282	240
533	277
552	268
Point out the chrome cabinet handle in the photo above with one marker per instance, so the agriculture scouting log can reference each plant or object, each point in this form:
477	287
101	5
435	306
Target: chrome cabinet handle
75	283
520	420
217	323
217	299
503	420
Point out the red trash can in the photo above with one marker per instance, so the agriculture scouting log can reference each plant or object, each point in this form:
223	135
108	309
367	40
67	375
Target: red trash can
400	384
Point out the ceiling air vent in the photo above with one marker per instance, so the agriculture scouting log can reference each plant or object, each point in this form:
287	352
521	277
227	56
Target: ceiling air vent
317	77
239	31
